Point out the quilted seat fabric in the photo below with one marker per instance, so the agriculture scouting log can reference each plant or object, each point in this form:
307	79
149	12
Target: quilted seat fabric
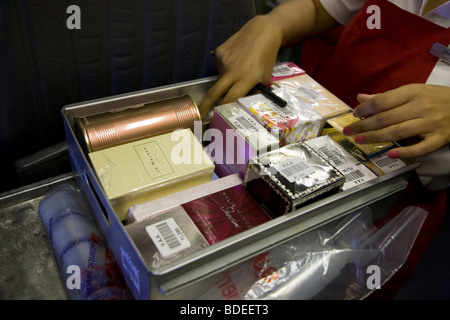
122	46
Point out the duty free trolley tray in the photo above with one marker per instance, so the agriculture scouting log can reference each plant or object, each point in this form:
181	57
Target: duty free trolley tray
169	279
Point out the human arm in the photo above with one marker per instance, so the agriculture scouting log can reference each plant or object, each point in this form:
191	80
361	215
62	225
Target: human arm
405	112
248	56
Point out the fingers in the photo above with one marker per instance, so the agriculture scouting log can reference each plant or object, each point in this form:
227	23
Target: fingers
395	122
214	94
373	104
396	132
226	89
424	147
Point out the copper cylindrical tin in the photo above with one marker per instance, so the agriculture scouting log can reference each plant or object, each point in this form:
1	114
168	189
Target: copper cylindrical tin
112	128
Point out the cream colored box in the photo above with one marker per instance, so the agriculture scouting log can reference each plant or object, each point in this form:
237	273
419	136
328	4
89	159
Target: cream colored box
151	168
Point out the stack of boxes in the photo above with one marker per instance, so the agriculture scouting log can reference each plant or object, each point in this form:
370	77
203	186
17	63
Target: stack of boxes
177	195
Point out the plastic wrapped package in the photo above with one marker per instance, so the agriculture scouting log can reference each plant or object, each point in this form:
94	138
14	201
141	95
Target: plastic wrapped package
296	122
236	136
361	151
380	163
285	70
346	262
143	211
355	171
78	244
310	91
151	168
166	237
286	179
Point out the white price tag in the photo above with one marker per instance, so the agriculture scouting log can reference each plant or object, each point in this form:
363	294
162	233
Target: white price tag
387	164
168	237
245	124
294	169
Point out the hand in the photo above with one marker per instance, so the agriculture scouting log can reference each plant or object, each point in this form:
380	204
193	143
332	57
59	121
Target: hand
406	112
245	59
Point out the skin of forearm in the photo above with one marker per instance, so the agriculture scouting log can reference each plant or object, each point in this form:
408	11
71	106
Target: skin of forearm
296	20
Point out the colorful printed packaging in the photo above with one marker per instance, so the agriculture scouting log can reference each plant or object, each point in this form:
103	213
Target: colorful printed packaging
296	122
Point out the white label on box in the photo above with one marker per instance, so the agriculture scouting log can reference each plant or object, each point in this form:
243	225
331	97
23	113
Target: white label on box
245	124
355	175
309	94
294	169
334	157
387	164
282	70
168	237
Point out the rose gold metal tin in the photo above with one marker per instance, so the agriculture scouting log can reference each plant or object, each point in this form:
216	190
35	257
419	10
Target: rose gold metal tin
112	128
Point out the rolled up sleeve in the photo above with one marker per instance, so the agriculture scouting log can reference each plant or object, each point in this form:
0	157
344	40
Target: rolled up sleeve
342	10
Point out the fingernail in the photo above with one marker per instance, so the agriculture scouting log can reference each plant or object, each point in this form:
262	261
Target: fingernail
393	154
347	131
360	139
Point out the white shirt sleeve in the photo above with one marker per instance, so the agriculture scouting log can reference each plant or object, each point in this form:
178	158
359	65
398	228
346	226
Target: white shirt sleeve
342	10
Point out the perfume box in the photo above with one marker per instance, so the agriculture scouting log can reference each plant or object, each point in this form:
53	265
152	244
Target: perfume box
295	122
151	168
236	137
223	214
165	238
140	212
361	151
285	70
355	171
380	164
310	91
291	177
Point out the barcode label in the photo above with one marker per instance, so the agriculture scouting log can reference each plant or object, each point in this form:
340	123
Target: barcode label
294	169
356	175
246	125
387	164
309	94
336	159
167	237
353	175
282	70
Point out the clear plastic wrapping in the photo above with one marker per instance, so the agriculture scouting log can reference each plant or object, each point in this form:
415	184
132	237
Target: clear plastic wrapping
78	244
292	176
355	172
151	168
362	151
310	91
348	261
296	122
165	238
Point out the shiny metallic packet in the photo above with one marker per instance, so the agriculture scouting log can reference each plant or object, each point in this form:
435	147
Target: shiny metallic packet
286	179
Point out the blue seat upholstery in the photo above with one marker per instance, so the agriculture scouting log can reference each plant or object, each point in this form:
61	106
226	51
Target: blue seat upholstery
121	46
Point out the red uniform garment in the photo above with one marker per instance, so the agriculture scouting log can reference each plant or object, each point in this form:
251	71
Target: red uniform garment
357	59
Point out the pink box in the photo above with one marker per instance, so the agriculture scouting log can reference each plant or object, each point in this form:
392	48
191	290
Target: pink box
223	214
237	137
285	70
